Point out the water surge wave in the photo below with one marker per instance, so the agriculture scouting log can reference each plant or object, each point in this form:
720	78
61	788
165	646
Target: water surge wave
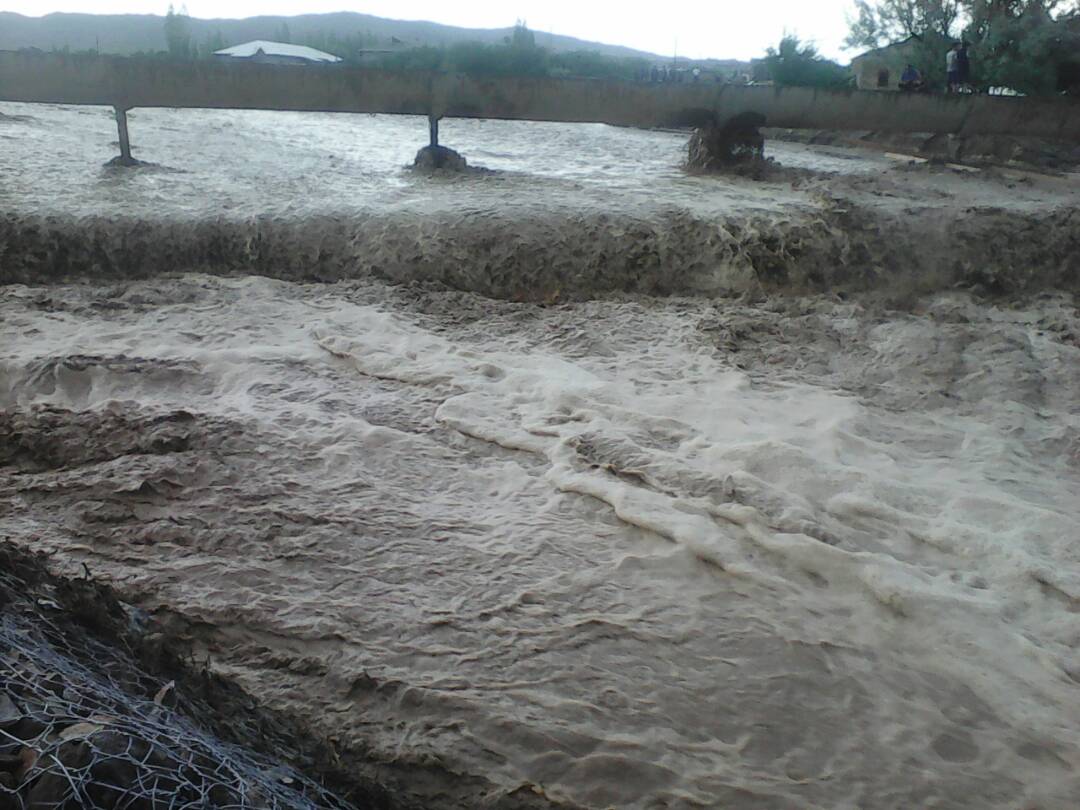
551	255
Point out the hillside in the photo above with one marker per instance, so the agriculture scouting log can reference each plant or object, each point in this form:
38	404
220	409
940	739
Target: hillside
128	33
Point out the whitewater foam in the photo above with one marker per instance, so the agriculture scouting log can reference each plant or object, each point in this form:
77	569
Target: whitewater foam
565	542
571	212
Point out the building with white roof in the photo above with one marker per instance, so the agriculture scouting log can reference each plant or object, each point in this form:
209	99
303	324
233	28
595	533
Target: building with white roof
276	53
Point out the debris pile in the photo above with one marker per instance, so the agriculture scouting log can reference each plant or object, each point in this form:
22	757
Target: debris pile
735	145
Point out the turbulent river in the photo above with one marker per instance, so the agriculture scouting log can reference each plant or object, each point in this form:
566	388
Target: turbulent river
734	546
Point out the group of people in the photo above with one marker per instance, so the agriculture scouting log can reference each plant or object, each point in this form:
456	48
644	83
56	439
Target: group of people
666	73
957	72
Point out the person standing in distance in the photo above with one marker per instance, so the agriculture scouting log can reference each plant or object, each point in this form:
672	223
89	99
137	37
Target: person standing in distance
963	67
952	68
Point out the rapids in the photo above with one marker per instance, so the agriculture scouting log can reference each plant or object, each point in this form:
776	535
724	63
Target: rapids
622	551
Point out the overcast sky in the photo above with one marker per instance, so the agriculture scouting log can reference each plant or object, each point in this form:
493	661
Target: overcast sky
737	29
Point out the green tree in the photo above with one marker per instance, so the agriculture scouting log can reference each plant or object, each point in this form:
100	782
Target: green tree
522	37
1024	49
796	64
212	44
427	58
880	22
178	33
1012	43
930	27
283	33
593	65
496	60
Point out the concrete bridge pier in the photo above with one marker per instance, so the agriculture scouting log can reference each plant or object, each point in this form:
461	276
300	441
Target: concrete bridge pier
125	158
436	157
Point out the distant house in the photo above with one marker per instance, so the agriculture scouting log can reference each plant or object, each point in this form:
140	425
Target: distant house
880	69
375	56
276	53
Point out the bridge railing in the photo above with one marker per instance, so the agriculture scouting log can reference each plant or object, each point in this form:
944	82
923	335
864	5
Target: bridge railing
127	83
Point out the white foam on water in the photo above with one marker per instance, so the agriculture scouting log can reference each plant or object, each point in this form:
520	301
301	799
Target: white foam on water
900	527
903	535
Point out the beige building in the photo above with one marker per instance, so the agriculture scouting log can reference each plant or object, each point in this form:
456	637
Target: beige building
880	69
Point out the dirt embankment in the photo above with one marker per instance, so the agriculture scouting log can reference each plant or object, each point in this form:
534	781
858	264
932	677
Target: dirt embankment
984	150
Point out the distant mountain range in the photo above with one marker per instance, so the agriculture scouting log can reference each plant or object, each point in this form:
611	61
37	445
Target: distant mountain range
130	33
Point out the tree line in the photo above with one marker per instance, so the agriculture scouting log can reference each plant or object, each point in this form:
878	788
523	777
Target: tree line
1032	46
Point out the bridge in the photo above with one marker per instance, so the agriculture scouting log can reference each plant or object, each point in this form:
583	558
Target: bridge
127	83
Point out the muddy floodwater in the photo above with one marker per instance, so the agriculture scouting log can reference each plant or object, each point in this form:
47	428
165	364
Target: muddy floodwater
581	483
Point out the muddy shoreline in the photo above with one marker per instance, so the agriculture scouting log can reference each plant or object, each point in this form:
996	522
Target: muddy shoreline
988	151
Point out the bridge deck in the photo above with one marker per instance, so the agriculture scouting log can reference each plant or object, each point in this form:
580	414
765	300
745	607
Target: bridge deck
130	82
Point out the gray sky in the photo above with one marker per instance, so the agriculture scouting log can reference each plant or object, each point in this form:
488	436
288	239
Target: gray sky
736	29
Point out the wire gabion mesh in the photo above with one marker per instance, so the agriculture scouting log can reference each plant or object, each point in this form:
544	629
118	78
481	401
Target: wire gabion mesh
82	727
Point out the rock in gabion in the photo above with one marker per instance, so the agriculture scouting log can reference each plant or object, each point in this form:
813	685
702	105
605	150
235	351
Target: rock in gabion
82	727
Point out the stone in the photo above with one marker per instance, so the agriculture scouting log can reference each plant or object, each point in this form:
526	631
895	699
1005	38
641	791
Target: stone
123	162
440	158
9	712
